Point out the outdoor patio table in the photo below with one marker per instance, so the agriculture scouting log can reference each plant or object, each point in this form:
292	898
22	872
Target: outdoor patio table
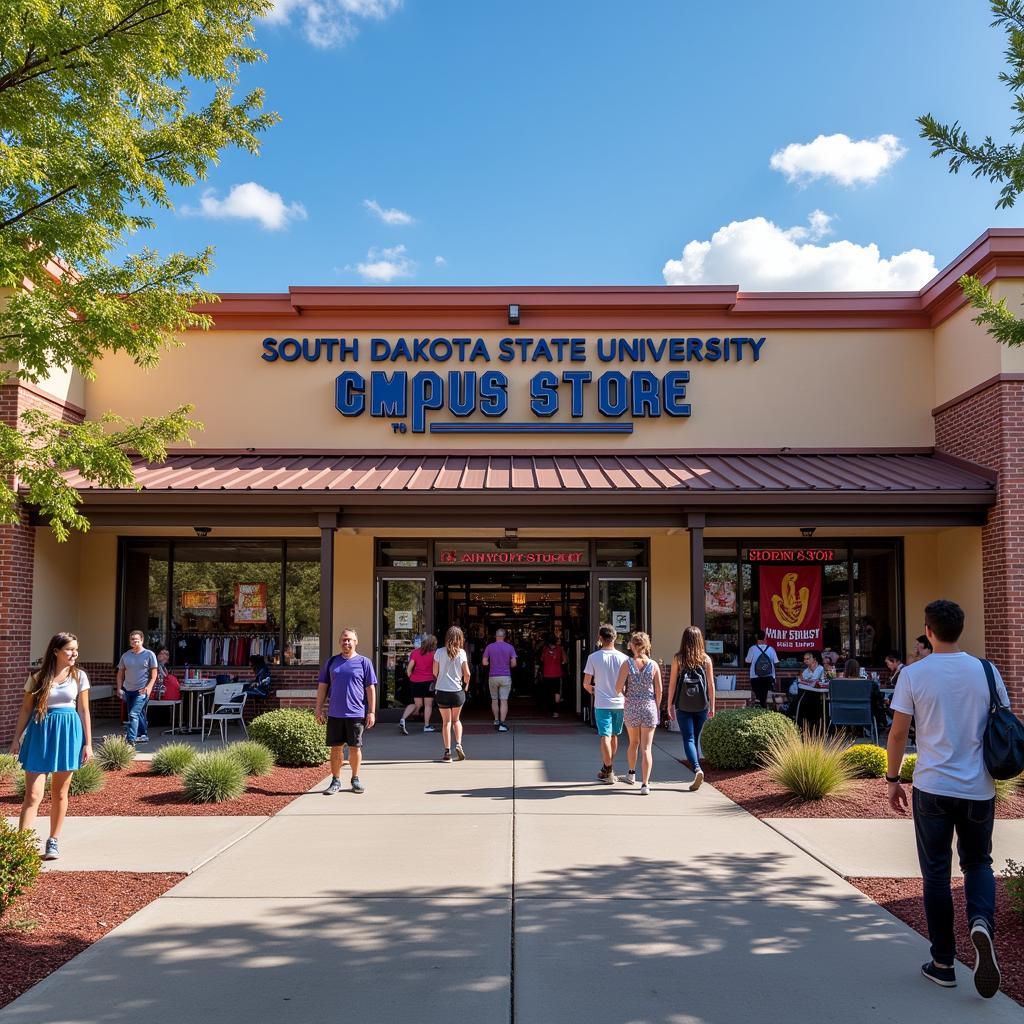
805	689
196	689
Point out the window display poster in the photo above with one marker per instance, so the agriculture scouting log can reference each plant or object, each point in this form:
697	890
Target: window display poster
403	620
791	606
251	603
620	620
199	602
720	597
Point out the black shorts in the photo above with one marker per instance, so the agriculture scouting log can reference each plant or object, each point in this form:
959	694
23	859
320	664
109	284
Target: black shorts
345	730
420	690
450	698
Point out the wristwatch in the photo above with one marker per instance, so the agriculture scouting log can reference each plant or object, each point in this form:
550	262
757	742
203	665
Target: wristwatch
891	778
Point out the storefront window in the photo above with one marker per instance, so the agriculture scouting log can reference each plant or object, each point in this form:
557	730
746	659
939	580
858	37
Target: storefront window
218	602
622	603
622	554
403	553
403	623
721	611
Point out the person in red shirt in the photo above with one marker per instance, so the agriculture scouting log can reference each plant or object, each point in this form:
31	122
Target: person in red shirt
553	663
421	682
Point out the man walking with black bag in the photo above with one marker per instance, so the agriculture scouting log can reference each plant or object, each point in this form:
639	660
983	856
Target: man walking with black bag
947	696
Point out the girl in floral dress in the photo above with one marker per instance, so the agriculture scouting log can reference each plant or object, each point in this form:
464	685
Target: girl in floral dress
640	680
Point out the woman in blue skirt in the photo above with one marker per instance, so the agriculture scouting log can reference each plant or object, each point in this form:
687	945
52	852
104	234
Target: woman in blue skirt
53	734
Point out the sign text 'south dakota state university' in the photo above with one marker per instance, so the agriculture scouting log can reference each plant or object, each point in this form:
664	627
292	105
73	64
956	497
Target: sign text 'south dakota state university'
478	397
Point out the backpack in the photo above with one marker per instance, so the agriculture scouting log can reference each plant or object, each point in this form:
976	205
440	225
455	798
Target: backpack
763	664
1003	743
692	691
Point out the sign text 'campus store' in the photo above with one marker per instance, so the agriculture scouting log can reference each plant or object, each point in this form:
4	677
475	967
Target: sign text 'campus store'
479	397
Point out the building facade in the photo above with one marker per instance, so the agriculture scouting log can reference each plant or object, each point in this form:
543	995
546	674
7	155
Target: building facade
544	459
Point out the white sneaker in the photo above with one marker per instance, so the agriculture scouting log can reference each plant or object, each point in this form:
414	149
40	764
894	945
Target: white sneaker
698	781
429	728
629	778
401	725
645	790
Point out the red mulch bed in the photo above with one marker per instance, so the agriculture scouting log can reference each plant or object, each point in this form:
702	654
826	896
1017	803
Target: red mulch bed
755	792
63	914
902	898
137	792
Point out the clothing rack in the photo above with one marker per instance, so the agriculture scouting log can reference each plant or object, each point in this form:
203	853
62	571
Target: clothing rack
235	648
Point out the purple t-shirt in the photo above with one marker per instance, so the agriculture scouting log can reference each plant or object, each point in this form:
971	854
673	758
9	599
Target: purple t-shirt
499	657
347	684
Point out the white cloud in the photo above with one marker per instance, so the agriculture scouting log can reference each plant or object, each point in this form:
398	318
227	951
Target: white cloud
391	216
440	261
760	256
249	201
382	266
331	23
838	157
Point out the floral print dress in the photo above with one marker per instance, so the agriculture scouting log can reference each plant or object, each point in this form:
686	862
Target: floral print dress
641	708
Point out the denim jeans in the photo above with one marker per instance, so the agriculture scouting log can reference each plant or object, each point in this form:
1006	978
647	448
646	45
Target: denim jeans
135	711
936	818
690	725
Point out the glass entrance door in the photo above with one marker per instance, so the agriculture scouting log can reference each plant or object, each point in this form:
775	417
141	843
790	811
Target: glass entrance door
622	601
402	603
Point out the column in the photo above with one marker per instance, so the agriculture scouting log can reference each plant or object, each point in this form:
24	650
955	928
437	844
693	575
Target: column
328	523
695	522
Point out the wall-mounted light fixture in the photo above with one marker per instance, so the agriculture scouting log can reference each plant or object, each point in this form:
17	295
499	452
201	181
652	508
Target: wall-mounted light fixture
807	532
202	531
513	314
519	601
511	533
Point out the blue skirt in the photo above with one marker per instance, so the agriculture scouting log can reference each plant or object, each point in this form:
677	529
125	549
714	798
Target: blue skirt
54	744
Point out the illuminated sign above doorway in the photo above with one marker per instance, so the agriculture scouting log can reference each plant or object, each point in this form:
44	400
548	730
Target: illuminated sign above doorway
457	556
479	397
791	555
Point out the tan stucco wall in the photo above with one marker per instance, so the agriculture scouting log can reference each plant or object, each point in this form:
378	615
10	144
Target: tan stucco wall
353	588
670	592
98	603
56	589
959	572
964	356
817	382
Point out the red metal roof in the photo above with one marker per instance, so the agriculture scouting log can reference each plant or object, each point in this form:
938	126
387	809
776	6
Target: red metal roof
884	473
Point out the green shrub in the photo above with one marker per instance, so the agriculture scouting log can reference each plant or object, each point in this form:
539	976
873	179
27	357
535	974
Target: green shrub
114	754
1007	789
19	862
90	778
213	778
810	767
253	758
867	761
737	739
907	768
8	766
173	759
294	736
1014	876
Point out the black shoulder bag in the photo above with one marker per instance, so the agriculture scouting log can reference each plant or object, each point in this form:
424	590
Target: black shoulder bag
1003	744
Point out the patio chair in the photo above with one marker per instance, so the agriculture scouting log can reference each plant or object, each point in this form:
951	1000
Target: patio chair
850	704
228	706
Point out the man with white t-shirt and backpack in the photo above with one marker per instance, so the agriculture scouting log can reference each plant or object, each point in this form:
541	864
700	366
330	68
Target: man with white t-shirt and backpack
599	678
947	695
762	660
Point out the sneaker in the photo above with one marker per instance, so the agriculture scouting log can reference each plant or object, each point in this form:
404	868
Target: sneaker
459	752
429	728
603	773
944	976
554	714
357	786
629	778
141	739
502	727
698	781
496	723
986	970
51	852
645	790
334	787
446	756
401	725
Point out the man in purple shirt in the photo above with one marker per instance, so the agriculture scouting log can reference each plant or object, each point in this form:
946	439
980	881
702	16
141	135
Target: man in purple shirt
499	660
351	682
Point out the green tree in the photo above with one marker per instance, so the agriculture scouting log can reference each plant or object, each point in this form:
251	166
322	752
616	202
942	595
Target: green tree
97	123
1000	164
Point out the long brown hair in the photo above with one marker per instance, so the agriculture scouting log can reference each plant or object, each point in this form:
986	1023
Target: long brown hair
42	680
454	641
428	644
691	653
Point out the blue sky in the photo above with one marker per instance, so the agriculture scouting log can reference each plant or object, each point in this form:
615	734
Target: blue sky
571	142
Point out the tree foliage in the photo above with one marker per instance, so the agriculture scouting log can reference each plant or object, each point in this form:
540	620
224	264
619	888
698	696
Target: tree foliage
1001	164
98	123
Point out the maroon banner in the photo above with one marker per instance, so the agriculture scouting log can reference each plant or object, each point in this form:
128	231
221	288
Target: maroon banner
791	606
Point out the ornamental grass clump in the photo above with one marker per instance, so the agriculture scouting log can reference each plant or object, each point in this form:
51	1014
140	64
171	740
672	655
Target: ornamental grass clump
867	760
90	778
213	778
8	766
253	758
114	754
738	738
295	737
907	768
19	862
1014	877
173	759
811	767
1007	789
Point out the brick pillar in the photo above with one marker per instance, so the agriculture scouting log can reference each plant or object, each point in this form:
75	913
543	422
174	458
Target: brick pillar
17	553
987	427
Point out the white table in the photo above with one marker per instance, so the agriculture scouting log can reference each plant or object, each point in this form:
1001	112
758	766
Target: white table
806	688
196	689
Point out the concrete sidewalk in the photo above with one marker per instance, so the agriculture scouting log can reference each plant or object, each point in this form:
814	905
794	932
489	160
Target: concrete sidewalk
510	887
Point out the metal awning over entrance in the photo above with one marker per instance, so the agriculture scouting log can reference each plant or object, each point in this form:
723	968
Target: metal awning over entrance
390	488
